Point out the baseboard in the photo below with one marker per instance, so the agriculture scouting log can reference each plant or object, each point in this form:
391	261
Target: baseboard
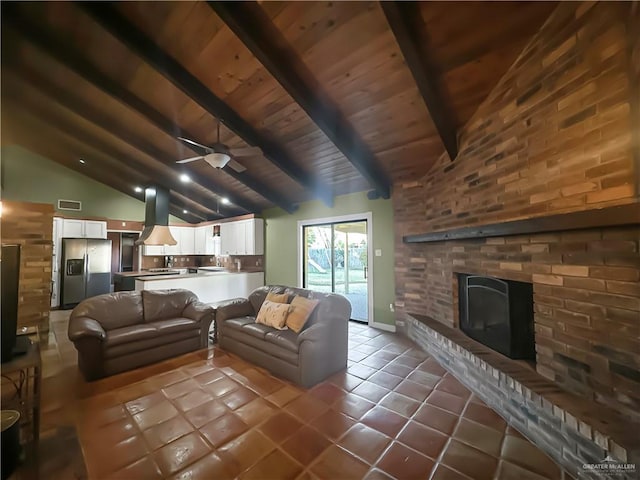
383	326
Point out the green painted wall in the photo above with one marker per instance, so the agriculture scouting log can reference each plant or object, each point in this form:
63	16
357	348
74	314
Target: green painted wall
281	236
28	177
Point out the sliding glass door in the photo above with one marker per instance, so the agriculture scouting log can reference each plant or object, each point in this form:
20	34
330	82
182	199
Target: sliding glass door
336	260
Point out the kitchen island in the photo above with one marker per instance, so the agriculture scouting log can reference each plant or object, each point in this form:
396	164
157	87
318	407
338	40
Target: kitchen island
123	281
209	286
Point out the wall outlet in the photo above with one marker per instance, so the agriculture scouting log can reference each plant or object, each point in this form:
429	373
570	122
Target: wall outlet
378	252
392	308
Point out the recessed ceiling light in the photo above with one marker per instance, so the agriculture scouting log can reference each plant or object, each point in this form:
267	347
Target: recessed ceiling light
185	178
82	161
225	200
138	189
184	211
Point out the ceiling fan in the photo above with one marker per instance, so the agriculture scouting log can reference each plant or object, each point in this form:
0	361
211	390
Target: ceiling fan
218	155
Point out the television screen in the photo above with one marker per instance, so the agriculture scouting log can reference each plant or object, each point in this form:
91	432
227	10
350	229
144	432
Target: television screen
10	278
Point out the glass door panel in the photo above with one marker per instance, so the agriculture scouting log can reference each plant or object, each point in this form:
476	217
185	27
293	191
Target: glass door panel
335	260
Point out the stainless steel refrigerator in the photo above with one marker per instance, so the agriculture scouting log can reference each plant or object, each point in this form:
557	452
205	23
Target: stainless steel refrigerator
86	269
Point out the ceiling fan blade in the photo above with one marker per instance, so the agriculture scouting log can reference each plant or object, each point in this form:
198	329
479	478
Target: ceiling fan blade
196	144
238	167
192	159
245	152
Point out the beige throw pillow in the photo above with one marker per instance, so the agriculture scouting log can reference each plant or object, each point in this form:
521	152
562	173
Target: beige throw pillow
277	297
273	314
301	310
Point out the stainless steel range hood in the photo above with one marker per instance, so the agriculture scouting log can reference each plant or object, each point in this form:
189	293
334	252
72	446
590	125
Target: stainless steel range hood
156	219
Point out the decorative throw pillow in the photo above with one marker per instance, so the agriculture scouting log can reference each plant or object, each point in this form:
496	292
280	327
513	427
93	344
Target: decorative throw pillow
273	314
277	297
301	310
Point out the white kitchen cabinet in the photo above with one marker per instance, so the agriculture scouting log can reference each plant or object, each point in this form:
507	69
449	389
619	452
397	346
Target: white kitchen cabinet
56	258
244	237
254	237
186	242
72	228
93	229
200	240
204	241
185	246
154	250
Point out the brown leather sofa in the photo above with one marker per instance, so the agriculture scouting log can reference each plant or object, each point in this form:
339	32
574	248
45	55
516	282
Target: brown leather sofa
120	331
305	358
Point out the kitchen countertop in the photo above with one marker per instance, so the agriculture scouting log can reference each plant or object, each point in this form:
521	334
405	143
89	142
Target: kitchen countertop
204	273
145	273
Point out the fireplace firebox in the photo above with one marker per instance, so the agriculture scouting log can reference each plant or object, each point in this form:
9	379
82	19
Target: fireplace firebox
498	313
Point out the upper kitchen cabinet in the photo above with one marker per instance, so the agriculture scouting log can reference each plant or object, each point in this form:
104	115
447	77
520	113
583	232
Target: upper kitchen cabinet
185	236
72	228
205	242
244	237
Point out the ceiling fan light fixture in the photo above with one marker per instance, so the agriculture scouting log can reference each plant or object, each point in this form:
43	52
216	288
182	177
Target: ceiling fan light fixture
217	160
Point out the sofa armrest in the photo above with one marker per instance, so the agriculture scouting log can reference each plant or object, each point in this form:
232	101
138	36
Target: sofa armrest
203	314
83	327
199	311
233	308
315	333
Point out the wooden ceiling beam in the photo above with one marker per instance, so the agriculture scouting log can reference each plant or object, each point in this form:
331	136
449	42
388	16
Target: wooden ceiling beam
65	53
255	29
137	41
94	116
404	18
131	167
103	174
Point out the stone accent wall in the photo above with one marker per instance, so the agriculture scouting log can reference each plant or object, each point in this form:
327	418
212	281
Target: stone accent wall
30	225
554	136
569	429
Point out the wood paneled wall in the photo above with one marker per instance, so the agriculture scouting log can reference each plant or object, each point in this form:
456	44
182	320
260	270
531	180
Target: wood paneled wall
31	226
554	136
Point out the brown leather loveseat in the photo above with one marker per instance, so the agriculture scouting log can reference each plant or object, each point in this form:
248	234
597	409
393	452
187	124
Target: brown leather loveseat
305	358
125	330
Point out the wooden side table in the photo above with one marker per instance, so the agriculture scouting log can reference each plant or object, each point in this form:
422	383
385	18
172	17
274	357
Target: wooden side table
21	380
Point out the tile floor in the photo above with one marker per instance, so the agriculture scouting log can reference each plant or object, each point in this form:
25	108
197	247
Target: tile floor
395	413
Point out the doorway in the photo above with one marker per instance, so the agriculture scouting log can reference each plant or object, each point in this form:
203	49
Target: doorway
336	258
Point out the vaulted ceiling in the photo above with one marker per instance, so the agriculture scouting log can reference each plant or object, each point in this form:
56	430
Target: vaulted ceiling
339	96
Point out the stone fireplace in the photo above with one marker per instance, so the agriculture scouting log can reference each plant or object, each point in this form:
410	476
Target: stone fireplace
559	135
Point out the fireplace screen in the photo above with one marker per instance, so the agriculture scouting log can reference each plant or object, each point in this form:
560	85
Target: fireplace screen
498	313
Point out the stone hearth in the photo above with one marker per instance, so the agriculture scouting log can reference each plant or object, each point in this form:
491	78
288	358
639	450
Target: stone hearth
569	428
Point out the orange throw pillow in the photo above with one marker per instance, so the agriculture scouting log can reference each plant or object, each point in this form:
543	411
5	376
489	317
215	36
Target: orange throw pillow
301	310
273	314
277	297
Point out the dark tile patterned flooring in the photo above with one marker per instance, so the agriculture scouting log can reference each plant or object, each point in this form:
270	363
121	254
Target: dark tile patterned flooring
394	413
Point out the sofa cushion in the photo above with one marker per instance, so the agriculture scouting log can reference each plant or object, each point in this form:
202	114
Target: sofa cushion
238	323
173	325
115	351
301	310
129	334
112	310
256	330
163	304
262	345
286	339
273	314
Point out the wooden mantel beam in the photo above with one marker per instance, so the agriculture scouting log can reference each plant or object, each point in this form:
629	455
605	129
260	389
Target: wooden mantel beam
138	42
255	29
405	21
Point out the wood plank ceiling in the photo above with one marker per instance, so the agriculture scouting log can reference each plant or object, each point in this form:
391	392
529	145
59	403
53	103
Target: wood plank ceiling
340	96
